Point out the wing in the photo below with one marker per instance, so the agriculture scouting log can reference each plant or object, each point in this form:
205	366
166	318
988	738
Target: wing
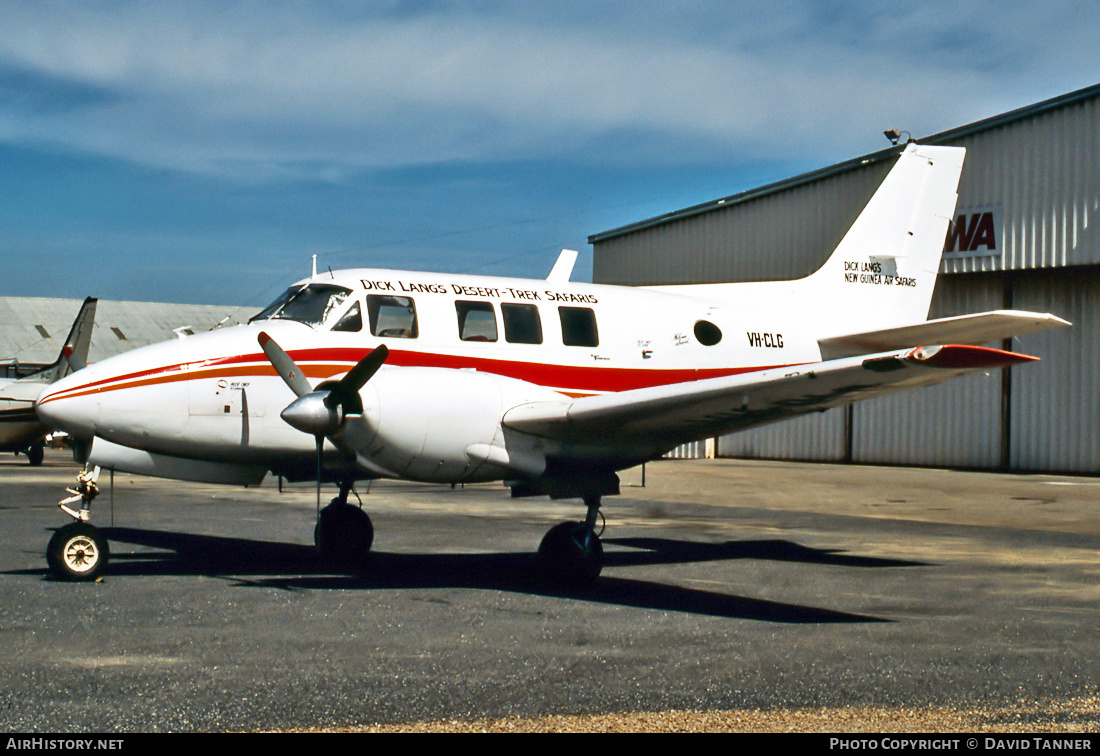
679	413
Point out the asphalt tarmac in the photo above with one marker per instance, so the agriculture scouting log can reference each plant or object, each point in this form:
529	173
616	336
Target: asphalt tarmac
729	585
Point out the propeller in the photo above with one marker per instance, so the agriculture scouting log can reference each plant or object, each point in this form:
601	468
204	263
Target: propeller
321	412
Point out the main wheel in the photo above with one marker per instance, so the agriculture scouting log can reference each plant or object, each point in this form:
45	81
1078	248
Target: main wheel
77	552
35	455
570	556
343	534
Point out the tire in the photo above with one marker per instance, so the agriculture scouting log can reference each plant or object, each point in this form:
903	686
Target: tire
563	559
35	455
77	552
343	534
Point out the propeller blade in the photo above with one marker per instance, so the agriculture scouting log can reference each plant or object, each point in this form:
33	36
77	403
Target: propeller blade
320	472
284	366
357	377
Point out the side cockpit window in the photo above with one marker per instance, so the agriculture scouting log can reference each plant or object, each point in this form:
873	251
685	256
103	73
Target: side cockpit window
352	321
392	317
476	321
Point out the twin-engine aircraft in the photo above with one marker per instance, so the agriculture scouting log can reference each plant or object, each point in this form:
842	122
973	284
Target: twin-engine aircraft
21	430
550	386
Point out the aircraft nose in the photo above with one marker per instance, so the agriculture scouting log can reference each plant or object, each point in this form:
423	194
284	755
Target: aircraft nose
63	407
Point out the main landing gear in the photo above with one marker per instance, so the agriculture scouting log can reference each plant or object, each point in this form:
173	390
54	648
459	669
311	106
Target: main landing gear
78	551
571	555
344	533
36	452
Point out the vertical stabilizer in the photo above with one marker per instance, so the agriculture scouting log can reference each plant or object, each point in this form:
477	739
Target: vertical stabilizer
884	269
74	353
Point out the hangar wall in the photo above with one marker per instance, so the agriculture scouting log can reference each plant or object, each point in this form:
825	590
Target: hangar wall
1032	177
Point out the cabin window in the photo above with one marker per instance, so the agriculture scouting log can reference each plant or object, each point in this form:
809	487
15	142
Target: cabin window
352	321
392	317
707	333
476	321
521	323
311	304
578	327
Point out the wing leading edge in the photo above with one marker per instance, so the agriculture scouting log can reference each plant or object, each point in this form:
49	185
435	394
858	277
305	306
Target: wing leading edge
678	413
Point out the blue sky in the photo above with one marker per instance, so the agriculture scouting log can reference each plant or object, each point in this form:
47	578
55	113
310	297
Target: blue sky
202	151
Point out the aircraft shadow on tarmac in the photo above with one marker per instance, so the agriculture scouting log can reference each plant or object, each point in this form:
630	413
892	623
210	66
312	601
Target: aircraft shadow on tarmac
296	567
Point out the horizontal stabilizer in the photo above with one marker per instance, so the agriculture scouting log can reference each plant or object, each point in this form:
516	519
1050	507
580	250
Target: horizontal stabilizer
982	328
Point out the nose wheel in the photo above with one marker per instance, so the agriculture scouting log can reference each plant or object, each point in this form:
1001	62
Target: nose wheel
77	552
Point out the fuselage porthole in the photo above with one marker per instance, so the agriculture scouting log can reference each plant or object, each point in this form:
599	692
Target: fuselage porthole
707	333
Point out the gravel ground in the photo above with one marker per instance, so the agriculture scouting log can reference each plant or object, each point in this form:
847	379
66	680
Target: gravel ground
1080	715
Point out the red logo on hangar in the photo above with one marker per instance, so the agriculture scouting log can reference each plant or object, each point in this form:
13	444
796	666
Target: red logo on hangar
975	232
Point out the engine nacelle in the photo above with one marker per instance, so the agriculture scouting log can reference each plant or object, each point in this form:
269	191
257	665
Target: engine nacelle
112	456
444	426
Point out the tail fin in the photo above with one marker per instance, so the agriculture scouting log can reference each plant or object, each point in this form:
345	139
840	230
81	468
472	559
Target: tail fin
74	353
884	269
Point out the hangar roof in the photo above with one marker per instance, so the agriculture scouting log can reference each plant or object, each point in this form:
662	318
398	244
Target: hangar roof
945	138
33	329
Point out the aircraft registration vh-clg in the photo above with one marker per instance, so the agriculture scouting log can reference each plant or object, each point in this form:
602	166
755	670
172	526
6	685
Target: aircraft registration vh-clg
550	386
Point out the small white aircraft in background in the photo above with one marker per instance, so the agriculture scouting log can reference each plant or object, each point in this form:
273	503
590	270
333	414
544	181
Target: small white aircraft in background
21	430
550	386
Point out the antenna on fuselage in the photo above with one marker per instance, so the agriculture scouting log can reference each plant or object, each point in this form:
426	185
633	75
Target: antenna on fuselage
563	268
313	273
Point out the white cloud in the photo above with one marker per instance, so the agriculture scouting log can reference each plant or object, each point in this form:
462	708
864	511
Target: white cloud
261	89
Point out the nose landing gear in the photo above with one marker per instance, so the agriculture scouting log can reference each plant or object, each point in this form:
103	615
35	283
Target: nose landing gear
78	551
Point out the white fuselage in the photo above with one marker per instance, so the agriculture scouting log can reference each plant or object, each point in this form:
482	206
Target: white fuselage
434	411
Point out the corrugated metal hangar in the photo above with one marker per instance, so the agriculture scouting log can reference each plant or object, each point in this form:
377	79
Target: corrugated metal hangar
33	329
1025	236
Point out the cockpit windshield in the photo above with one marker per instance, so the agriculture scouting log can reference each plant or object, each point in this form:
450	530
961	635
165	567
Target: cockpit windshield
311	304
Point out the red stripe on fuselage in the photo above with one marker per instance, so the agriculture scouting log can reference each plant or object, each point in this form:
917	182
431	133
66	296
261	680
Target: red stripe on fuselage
322	363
